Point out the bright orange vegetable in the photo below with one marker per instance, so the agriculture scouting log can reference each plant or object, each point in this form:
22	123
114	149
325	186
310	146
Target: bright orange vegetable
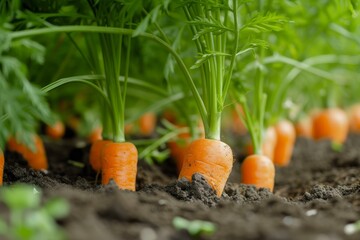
304	128
36	160
354	118
95	135
95	157
2	161
211	158
285	132
147	123
268	146
331	124
178	148
119	162
55	131
258	170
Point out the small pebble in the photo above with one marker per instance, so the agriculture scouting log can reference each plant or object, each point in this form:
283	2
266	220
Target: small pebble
148	234
311	212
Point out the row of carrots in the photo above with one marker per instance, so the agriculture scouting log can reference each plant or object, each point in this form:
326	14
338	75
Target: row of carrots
278	143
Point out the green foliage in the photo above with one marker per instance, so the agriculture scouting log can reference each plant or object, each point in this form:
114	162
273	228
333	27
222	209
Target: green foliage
195	227
29	218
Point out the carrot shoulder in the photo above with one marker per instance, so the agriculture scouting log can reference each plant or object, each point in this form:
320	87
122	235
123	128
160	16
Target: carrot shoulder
119	162
2	161
36	159
211	158
258	170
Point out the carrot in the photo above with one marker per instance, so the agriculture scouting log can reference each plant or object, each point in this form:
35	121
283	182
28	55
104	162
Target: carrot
119	162
238	125
331	123
2	161
178	148
304	128
354	118
36	160
211	158
268	145
55	131
258	170
95	135
285	132
95	158
147	123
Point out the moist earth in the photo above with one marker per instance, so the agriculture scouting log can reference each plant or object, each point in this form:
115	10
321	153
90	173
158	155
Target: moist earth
314	197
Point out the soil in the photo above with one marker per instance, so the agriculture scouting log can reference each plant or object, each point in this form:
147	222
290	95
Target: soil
314	197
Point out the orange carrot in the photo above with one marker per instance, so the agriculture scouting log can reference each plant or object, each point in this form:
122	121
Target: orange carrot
285	132
147	123
238	125
178	148
95	135
95	158
2	161
331	124
304	128
268	145
119	162
211	158
36	160
55	131
258	170
354	118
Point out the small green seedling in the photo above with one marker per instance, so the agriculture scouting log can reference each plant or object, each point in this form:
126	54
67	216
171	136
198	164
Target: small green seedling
337	147
195	227
28	219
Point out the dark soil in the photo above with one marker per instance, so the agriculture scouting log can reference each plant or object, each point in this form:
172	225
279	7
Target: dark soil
314	198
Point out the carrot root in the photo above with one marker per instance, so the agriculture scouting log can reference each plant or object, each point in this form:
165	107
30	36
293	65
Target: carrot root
95	154
211	158
120	164
36	160
286	135
258	170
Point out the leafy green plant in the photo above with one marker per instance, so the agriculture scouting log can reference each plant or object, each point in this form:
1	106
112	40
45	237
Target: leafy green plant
195	228
29	219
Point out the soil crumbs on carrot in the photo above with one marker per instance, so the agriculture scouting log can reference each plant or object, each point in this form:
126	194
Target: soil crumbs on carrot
314	198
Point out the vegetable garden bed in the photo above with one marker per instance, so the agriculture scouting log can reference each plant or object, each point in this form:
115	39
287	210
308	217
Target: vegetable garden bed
315	197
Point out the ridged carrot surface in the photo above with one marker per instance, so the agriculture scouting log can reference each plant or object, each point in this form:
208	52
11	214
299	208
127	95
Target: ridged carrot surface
36	159
119	162
211	158
285	132
95	154
258	170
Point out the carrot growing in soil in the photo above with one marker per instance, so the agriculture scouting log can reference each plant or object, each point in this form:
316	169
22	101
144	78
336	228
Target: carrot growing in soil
332	124
35	157
286	135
